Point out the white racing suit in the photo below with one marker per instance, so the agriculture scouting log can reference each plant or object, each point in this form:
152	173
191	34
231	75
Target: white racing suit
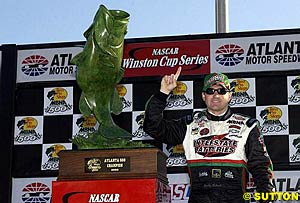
219	151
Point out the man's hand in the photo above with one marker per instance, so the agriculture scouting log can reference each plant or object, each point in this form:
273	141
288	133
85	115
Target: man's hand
168	82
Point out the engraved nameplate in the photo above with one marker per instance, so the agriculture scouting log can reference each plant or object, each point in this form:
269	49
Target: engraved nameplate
107	164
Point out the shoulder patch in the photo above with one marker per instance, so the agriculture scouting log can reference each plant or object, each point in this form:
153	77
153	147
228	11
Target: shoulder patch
198	114
251	121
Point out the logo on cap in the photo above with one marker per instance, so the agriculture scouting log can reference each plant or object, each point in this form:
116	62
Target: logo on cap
215	78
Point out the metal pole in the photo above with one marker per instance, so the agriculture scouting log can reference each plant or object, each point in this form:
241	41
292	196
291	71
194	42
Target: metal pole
221	16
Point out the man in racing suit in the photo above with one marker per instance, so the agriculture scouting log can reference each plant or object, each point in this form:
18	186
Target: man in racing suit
220	146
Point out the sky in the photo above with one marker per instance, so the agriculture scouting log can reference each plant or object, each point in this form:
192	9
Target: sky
54	21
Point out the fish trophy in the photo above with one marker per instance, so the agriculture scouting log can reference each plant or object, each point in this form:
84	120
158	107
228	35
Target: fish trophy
99	71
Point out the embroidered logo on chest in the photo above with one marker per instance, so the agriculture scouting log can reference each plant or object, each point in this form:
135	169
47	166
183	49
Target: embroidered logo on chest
215	146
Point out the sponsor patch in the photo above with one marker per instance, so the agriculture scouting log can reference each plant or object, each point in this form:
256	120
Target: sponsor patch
216	173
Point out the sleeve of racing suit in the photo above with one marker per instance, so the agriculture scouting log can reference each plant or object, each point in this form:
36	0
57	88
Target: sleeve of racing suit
259	163
167	131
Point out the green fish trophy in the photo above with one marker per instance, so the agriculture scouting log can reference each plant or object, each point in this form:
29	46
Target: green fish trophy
99	71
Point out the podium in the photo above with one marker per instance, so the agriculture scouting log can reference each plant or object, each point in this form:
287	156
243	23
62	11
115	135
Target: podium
136	175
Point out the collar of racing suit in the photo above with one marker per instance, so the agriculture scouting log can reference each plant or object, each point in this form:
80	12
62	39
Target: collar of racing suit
219	118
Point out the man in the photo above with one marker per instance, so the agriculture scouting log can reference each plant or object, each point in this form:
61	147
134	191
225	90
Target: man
220	146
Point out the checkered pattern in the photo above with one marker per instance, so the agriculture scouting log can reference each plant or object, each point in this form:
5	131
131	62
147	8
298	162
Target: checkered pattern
254	95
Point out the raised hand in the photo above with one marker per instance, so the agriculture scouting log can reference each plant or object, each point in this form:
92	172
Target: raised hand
168	82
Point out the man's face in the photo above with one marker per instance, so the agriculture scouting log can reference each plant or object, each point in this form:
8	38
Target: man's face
216	103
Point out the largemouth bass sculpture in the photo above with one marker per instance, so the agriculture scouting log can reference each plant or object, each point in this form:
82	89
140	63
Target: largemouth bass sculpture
99	71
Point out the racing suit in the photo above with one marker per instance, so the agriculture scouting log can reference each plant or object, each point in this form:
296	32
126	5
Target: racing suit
219	151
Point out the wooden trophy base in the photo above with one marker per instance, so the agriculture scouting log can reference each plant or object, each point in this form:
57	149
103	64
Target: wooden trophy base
112	164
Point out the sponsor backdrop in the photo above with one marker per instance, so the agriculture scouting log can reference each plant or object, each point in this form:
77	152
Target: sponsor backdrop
264	72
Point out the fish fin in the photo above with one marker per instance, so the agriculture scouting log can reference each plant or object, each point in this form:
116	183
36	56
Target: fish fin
116	104
120	74
84	107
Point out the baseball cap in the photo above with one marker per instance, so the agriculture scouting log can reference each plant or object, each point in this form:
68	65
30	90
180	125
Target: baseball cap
216	78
